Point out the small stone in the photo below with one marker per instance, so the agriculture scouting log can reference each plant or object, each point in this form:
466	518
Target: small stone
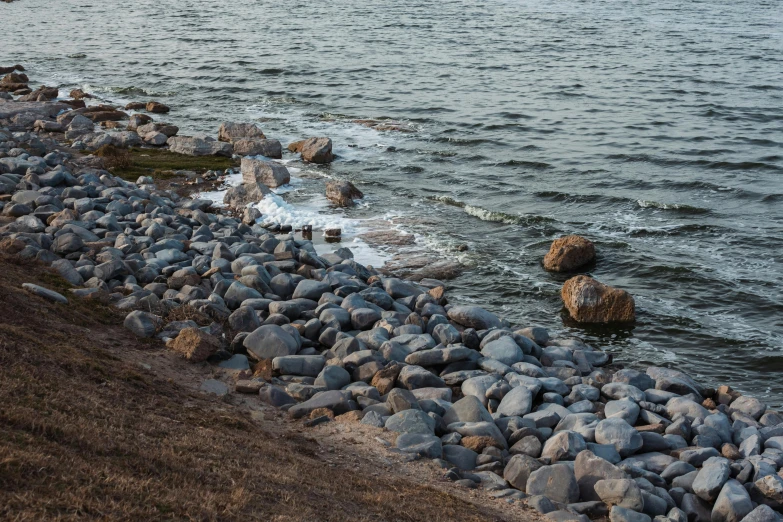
40	291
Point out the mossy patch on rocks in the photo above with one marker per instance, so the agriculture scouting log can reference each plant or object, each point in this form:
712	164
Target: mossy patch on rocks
160	164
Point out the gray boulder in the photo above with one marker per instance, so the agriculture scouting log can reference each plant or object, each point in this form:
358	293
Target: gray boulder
711	478
733	503
518	470
620	434
270	341
589	469
142	324
620	492
424	444
556	482
411	421
474	317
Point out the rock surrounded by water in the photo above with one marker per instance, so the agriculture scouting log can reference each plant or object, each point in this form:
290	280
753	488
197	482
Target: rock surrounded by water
511	408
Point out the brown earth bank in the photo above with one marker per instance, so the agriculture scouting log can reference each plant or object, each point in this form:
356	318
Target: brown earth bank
96	424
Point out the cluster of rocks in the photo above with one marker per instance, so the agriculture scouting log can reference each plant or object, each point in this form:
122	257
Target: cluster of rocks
511	409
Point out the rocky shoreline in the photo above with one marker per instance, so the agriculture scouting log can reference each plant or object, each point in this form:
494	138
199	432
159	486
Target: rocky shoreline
509	408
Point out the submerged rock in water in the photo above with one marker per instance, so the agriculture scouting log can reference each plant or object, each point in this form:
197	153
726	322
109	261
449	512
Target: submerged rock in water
314	150
590	301
569	253
342	193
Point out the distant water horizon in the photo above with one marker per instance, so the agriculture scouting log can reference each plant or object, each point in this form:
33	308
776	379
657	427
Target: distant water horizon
655	129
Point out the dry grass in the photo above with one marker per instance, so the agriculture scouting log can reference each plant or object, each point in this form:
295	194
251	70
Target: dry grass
86	433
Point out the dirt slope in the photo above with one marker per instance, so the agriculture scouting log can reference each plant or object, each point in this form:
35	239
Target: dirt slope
97	425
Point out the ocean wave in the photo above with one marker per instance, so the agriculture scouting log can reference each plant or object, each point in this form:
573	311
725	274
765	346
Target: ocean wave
685	209
491	215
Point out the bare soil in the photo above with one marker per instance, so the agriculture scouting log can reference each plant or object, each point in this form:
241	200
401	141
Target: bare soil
96	424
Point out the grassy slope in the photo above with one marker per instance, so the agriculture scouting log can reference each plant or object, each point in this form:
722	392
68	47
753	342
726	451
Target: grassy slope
86	433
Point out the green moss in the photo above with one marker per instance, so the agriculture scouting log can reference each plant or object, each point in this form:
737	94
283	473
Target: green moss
161	164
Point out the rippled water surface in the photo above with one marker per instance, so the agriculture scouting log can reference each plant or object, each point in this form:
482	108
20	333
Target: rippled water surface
653	127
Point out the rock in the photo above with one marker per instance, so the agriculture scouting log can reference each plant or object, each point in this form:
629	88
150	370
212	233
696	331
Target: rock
621	514
589	301
771	487
190	146
762	513
697	457
733	503
195	345
711	478
270	341
556	482
314	150
467	409
569	253
67	272
414	377
157	107
620	492
306	365
674	381
749	406
589	469
339	401
423	444
255	147
504	349
463	458
230	132
620	434
518	470
333	378
342	193
40	291
517	402
244	194
275	396
563	445
474	317
411	421
142	324
266	173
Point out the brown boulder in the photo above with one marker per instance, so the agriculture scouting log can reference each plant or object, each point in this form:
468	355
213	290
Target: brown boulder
342	193
157	107
99	116
314	150
15	78
230	131
195	345
42	93
590	301
385	379
78	94
478	444
569	253
135	106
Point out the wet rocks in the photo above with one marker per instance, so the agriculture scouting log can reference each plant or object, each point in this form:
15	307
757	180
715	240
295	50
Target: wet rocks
258	147
569	253
156	107
231	131
589	301
314	150
266	173
342	193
